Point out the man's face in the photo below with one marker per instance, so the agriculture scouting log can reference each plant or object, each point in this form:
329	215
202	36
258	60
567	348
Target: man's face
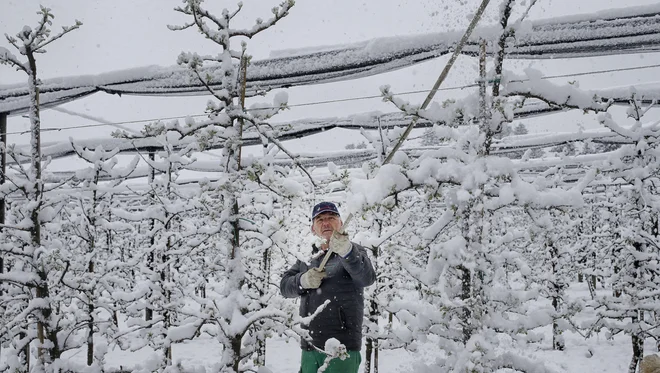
325	224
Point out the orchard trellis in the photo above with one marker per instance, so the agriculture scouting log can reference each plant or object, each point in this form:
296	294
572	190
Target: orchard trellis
85	254
633	30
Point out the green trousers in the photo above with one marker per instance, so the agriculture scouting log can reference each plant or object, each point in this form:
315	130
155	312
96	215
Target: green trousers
311	361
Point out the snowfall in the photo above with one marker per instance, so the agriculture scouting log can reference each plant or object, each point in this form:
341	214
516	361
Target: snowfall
123	40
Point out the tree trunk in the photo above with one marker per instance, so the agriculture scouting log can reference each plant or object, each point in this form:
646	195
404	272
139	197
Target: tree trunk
236	353
90	335
466	293
591	284
90	322
261	344
557	338
376	356
115	318
372	342
3	169
617	269
369	351
164	276
42	290
261	337
90	269
637	350
148	312
501	45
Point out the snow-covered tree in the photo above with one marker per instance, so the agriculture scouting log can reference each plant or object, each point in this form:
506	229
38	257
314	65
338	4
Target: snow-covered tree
382	228
241	205
94	268
552	256
632	306
35	316
471	306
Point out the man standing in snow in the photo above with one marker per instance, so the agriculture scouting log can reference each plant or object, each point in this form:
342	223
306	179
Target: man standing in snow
341	282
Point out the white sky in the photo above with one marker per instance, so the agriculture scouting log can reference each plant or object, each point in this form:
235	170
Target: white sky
129	33
123	34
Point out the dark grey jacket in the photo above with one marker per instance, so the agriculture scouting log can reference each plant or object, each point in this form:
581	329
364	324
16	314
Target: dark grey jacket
343	286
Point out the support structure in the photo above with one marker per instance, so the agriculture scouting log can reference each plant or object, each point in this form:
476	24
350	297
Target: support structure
3	169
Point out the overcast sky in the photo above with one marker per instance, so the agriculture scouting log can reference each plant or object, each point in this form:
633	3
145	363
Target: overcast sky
123	34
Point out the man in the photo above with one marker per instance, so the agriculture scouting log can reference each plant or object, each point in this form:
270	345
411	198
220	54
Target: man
341	282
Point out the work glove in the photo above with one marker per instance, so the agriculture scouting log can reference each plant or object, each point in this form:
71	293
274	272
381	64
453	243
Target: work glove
312	278
340	244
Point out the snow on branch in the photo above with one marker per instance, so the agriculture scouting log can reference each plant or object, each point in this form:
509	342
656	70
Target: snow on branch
36	40
635	133
7	58
224	33
293	157
450	112
194	6
566	96
260	25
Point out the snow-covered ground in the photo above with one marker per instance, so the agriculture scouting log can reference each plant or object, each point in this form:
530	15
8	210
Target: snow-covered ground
597	354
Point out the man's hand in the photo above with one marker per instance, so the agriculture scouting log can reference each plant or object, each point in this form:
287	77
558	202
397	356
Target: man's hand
312	278
340	244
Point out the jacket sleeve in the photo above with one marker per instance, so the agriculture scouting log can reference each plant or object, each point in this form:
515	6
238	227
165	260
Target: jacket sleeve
290	283
359	266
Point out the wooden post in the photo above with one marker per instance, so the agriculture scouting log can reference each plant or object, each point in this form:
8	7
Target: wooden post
483	99
484	107
3	169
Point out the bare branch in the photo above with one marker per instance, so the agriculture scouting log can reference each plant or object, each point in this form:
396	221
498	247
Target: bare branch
238	9
506	32
12	40
566	102
65	30
526	13
260	25
212	91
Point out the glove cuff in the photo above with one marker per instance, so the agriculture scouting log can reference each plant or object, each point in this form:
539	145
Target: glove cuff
348	252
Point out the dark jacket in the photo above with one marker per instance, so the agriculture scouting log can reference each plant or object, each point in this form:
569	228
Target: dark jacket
344	287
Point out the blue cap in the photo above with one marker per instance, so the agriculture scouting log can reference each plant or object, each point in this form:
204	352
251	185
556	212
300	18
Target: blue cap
324	207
